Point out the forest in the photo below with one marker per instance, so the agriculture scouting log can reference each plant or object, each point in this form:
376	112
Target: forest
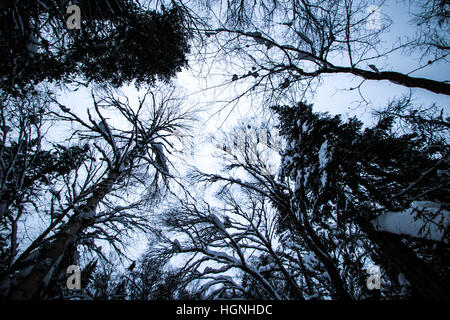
224	150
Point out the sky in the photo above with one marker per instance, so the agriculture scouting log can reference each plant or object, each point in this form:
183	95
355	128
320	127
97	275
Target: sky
331	96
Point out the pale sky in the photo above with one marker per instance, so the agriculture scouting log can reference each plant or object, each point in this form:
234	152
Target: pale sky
329	97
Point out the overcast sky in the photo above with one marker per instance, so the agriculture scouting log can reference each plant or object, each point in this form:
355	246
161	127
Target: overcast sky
330	96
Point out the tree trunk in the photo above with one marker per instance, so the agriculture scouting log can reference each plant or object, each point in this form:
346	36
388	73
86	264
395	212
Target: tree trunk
333	272
28	286
419	274
306	232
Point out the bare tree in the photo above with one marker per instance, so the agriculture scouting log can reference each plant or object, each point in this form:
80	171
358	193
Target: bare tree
219	243
274	49
260	229
96	202
432	20
21	168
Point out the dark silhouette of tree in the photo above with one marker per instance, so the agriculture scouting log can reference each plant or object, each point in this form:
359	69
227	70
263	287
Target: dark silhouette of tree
278	49
336	180
26	167
149	280
369	172
432	20
118	42
91	203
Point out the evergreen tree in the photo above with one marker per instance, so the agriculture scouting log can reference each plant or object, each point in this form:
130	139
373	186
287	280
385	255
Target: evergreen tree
118	42
346	176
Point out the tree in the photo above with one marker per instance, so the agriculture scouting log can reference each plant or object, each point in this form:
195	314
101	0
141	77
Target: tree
41	44
431	17
92	202
49	184
220	244
289	225
312	230
260	229
149	279
281	51
25	166
363	174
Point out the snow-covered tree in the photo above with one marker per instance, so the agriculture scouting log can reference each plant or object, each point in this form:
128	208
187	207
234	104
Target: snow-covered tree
346	176
26	166
346	198
110	194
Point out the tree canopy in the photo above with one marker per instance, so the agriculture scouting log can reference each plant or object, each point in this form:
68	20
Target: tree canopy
263	150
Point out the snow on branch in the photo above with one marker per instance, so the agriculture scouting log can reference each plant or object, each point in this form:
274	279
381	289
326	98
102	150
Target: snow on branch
424	219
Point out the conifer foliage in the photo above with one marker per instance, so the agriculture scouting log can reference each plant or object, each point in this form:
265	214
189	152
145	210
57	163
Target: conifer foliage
118	42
